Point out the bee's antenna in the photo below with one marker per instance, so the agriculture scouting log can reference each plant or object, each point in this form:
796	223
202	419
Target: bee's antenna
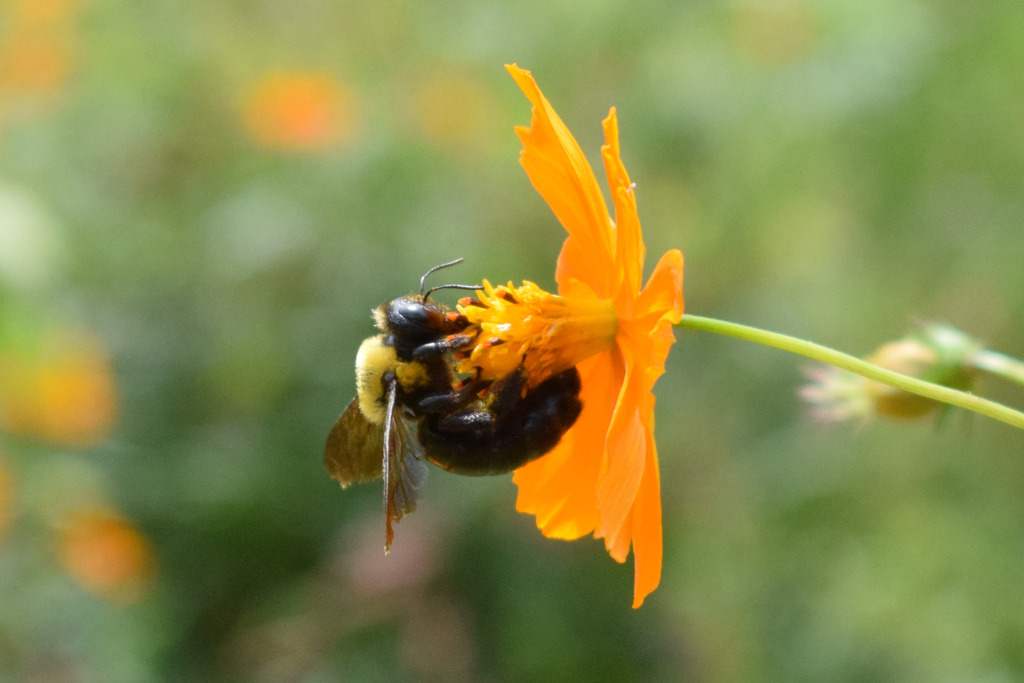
436	268
434	289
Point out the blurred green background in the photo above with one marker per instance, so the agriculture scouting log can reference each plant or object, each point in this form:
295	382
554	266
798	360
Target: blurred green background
201	202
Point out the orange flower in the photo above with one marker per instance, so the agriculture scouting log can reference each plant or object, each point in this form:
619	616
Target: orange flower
107	554
300	111
35	60
41	11
63	392
603	475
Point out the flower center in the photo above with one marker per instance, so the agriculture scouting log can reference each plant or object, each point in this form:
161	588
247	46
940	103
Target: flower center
527	326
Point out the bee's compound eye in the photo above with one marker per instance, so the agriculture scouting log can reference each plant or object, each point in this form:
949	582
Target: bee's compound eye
417	314
410	311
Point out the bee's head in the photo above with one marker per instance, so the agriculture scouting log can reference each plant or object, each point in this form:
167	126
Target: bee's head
410	316
410	321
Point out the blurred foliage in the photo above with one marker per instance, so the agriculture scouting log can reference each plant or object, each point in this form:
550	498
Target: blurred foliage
200	202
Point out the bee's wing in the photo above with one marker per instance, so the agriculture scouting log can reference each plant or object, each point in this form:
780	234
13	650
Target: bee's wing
354	447
404	469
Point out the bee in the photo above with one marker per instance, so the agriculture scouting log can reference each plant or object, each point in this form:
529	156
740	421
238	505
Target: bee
411	406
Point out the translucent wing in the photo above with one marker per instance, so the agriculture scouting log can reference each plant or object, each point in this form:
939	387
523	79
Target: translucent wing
404	469
358	450
354	448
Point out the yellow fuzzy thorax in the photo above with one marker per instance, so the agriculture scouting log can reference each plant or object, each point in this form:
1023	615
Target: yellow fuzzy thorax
373	361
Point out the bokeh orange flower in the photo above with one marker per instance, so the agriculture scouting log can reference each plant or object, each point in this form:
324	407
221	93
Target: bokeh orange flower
41	11
603	475
106	553
300	110
64	392
35	60
38	50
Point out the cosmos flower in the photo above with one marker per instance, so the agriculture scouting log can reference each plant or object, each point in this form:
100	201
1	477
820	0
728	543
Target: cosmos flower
63	390
300	110
602	478
106	553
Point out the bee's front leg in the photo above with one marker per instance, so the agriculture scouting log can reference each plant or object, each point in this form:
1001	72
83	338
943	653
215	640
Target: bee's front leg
452	342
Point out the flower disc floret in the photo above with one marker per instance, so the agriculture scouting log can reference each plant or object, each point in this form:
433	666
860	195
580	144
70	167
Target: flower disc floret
528	326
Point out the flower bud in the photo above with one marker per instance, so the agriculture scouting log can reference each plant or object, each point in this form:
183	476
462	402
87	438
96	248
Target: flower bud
934	353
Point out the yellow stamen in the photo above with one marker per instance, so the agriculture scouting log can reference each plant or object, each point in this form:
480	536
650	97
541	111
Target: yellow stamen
526	325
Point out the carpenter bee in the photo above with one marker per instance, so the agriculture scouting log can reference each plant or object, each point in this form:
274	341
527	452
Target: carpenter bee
411	406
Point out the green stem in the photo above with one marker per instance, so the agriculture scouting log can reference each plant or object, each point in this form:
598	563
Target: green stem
999	365
961	399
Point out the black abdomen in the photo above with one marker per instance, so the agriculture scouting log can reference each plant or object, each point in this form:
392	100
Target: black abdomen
524	432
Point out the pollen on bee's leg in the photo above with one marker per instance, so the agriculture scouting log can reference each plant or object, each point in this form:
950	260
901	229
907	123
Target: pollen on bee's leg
474	376
474	385
454	317
454	342
490	343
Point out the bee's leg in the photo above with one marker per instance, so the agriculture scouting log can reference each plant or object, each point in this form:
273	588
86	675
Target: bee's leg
452	342
465	422
458	398
509	391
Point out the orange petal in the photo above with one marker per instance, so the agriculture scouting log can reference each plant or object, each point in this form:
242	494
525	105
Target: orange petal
630	252
559	488
658	308
663	293
556	489
624	452
561	174
572	271
647	548
618	545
